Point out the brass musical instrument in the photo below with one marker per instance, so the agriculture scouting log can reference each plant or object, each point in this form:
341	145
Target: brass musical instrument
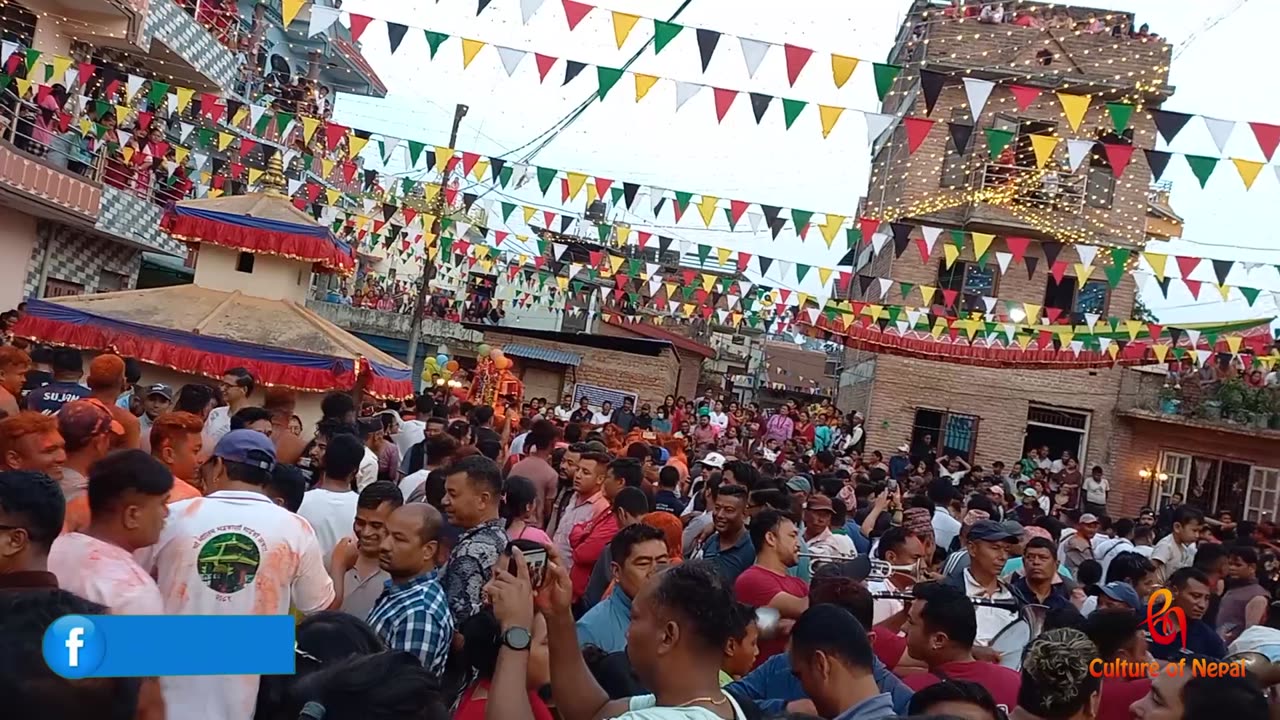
879	570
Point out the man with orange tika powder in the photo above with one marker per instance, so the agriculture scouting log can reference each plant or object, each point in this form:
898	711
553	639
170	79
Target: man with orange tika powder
176	441
106	384
90	433
14	364
30	441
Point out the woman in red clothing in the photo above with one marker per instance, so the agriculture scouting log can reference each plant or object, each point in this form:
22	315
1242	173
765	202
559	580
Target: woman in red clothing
804	428
482	636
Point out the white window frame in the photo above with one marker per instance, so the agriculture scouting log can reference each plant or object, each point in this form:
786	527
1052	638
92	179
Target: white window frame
1267	481
1084	433
1178	467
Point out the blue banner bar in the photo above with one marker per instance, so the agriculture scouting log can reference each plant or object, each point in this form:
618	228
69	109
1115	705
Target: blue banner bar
77	646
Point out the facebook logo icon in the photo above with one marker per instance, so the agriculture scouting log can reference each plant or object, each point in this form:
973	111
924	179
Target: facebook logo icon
73	648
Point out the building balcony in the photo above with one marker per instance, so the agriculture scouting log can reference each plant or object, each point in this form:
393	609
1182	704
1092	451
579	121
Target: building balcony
371	321
1223	405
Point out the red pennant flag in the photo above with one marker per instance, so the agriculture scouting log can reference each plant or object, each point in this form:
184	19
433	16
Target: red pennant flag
643	239
575	11
868	227
1186	265
218	182
949	297
300	203
1118	155
1024	95
743	260
797	58
1053	314
924	249
112	86
1045	339
1155	330
804	232
451	199
469	160
548	217
333	135
246	147
1018	246
564	190
602	186
544	65
917	130
1193	286
737	208
461	247
842	281
409	214
679	211
349	171
237	169
784	294
1059	270
378	225
1268	137
358	25
596	257
724	100
689	276
210	107
539	261
499	236
144	122
85	71
313	191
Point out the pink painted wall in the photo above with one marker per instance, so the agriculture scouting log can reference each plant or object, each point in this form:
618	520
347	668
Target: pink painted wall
17	238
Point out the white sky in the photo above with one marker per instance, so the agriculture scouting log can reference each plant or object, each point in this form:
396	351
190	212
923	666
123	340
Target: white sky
1222	48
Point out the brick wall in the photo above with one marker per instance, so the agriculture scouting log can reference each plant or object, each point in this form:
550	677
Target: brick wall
690	362
652	378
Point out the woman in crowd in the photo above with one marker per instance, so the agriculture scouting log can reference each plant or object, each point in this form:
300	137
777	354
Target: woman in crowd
519	500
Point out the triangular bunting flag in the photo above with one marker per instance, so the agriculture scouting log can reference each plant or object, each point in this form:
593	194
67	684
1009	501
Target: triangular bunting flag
511	58
1219	130
797	58
759	104
876	125
685	91
917	130
622	25
1248	170
1202	166
663	34
724	100
1118	156
842	68
1169	123
1074	107
827	114
527	9
977	92
1268	137
997	141
1077	151
931	83
1024	96
470	48
707	41
885	76
575	11
1157	160
753	52
1120	114
644	83
1043	146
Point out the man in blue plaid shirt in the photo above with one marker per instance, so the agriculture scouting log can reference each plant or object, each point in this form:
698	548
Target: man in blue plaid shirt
412	614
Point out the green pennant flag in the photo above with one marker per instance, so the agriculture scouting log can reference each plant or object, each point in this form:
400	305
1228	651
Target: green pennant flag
1115	271
894	313
206	136
688	290
801	218
1250	294
1114	322
507	209
683	199
100	107
728	215
446	243
415	152
542	246
905	289
603	231
830	314
608	77
852	237
1120	114
885	75
32	56
703	252
1211	338
406	186
634	266
545	177
1202	166
791	110
446	222
158	91
504	177
957	238
801	271
663	33
5	80
997	141
435	39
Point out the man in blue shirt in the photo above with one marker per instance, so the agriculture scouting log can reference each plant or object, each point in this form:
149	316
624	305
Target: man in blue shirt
637	552
831	655
66	385
729	548
1191	592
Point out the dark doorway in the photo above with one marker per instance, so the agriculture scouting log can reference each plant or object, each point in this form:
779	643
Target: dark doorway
1058	440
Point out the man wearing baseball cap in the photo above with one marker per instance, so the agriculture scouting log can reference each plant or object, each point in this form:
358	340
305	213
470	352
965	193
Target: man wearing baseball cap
157	399
234	552
89	431
988	544
1079	547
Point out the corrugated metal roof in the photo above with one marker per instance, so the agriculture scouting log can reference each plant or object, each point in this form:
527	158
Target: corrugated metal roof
530	352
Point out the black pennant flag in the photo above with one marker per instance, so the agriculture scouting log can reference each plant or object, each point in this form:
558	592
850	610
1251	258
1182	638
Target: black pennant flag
931	83
233	107
1051	252
571	70
765	264
468	199
1169	123
1164	286
901	238
388	211
1174	335
483	4
960	133
776	225
497	164
770	214
864	283
759	104
431	158
707	41
565	222
1031	265
1158	160
395	34
664	244
629	191
1222	268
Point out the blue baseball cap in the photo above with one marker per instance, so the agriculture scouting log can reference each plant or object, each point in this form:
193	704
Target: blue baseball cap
1118	591
249	447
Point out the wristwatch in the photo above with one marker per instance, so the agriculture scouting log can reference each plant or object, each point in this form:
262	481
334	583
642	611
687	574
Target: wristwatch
517	638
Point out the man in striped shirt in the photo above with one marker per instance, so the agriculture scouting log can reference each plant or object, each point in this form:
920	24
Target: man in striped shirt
412	614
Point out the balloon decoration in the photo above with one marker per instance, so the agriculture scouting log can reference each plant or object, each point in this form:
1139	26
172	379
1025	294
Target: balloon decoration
483	350
494	383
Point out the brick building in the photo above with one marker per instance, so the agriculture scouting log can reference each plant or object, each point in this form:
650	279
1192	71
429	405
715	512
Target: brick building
989	413
797	373
690	353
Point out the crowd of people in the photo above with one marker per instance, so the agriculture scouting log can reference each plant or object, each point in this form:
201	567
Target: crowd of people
995	12
446	560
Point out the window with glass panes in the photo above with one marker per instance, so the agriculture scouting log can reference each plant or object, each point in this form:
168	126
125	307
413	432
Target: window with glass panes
1076	301
971	280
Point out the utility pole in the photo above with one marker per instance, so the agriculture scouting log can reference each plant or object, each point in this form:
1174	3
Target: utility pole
438	210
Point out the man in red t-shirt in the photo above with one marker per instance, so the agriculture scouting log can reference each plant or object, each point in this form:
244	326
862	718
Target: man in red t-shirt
941	627
766	583
1119	635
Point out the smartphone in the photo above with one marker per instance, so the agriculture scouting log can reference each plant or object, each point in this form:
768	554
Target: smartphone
535	556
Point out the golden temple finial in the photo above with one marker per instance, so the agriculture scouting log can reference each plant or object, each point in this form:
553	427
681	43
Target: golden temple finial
273	181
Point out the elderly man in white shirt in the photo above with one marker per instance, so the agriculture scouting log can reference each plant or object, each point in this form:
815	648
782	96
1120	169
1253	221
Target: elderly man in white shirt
988	543
818	512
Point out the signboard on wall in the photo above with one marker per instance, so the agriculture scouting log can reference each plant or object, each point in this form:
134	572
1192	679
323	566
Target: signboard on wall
55	288
596	395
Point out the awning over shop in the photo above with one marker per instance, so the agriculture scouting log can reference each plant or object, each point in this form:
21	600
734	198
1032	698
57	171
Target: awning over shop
530	352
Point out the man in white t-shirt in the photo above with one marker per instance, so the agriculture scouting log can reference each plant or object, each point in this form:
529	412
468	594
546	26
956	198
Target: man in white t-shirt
408	432
237	386
719	418
605	416
331	506
128	502
564	410
372	433
234	552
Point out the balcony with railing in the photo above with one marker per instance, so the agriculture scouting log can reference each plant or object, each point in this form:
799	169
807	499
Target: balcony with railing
1209	398
330	58
1039	189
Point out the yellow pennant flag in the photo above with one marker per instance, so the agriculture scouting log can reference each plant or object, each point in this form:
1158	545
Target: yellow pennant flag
1113	349
1248	170
981	242
831	228
122	113
708	281
1043	146
443	156
624	234
670	288
184	97
1033	313
1082	273
355	144
722	254
1224	291
1161	351
824	274
926	294
24	86
224	140
127	152
576	181
829	116
481	167
61	63
180	154
289	10
707	209
622	24
309	124
952	253
86	126
1066	336
1133	327
470	48
592	195
842	68
429	192
215	193
644	83
1023	340
326	167
687	309
939	327
615	262
802	298
529	212
1075	107
563	282
254	174
332	195
241	114
1157	263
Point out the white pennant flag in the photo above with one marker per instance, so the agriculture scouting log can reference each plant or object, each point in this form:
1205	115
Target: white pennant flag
685	91
977	91
389	145
1193	337
930	236
990	303
1087	253
1010	330
656	196
133	84
528	8
753	51
322	18
1091	319
1003	259
294	187
902	327
878	241
184	130
558	249
784	268
1203	356
1077	151
510	58
885	283
198	160
255	114
655	282
877	123
1220	130
1103	344
1076	347
913	317
756	218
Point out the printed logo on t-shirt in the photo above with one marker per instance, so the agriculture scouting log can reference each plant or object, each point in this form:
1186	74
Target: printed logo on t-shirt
228	561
